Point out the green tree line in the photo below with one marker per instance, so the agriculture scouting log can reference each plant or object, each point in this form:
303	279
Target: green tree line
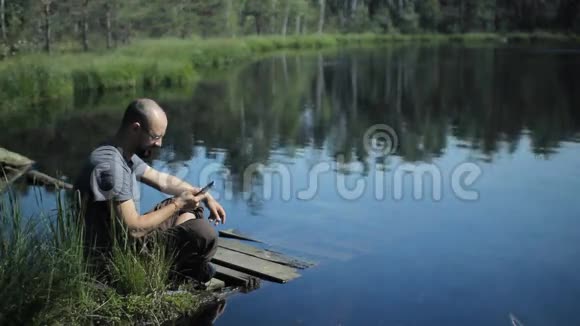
94	24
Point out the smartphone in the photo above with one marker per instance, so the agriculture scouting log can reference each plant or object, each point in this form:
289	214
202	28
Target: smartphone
204	189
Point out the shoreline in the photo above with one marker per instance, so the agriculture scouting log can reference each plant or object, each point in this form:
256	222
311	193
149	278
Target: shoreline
154	64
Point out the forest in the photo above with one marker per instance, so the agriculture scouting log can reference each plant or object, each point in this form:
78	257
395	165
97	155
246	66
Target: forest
89	25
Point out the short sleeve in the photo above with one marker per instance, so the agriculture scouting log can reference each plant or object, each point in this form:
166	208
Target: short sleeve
139	166
110	181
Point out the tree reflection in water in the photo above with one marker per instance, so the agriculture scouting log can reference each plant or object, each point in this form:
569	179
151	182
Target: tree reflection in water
486	99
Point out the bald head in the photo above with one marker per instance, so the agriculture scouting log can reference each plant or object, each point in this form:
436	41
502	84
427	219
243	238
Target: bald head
144	111
143	127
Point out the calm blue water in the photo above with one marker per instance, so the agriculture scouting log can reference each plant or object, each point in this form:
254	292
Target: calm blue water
386	256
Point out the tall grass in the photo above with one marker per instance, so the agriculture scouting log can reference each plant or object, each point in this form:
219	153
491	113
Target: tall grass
39	271
45	277
136	267
34	78
121	72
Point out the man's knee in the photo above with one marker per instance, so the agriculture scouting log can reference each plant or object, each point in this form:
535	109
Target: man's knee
201	236
184	218
204	229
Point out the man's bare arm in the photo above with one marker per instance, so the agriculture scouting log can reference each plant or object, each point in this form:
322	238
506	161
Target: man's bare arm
140	224
166	183
173	186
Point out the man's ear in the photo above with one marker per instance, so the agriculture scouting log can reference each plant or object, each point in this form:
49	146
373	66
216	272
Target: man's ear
136	126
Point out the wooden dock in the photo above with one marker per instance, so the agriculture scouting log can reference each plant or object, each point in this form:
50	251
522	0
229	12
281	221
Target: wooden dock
241	263
240	260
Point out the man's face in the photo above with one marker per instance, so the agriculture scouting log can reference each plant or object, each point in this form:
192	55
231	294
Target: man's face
151	136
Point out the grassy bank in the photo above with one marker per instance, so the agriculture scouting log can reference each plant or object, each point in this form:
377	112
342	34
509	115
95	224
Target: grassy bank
152	64
45	279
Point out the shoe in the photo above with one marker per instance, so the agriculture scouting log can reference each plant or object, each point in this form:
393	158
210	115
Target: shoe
205	273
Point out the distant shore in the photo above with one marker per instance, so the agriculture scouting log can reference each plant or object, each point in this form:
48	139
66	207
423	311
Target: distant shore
172	62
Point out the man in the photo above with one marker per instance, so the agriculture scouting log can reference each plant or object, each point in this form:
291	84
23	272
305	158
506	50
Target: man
108	183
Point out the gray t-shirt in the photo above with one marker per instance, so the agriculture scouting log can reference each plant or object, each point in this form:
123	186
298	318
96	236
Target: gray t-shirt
107	177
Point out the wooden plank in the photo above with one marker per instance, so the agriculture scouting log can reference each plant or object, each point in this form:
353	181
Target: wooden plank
254	266
10	174
264	254
13	159
236	278
318	251
37	177
235	234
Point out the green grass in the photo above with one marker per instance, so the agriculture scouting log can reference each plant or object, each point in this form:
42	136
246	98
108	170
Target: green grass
475	37
136	271
46	279
116	72
34	78
540	37
172	62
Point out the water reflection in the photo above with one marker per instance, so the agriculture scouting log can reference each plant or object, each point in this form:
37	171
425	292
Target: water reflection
487	98
205	317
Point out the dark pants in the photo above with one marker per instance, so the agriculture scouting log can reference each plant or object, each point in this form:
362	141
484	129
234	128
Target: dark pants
193	242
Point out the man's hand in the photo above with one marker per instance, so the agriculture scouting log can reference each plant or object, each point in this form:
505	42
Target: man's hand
187	200
216	211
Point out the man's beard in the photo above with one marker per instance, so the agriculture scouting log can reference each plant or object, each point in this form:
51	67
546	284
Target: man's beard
146	152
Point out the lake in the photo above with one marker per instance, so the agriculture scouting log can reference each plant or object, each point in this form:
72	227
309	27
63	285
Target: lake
433	184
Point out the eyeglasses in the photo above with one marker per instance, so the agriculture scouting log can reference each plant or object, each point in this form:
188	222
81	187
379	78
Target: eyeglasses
152	136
